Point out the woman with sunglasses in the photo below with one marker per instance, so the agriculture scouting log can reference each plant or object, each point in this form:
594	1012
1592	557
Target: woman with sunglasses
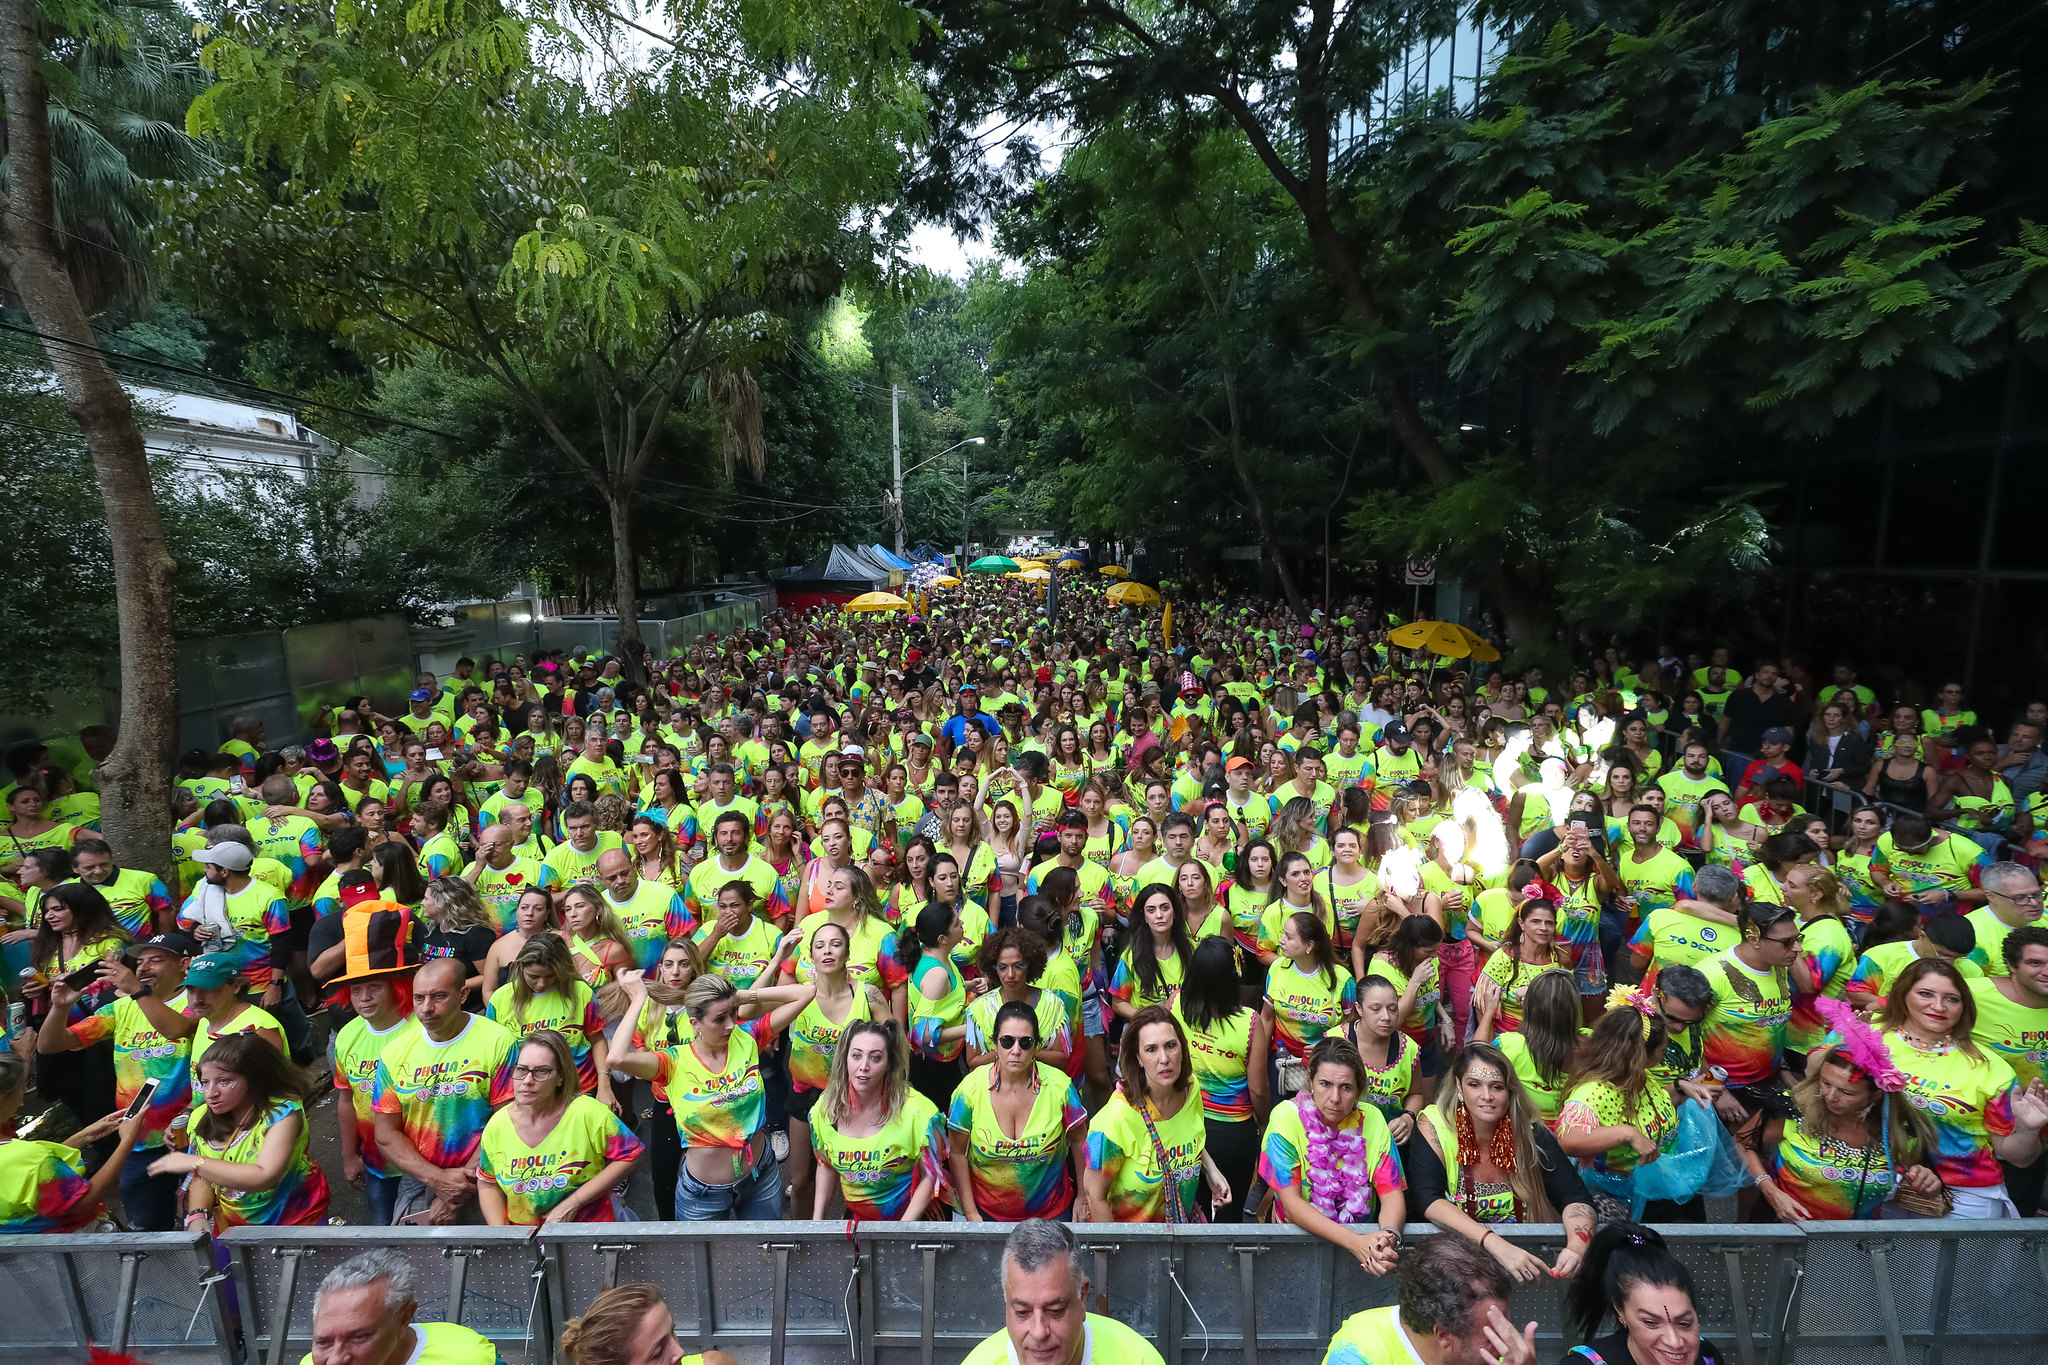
1020	1144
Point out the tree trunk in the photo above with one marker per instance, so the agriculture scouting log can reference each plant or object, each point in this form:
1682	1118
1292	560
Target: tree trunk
625	584
1260	517
135	781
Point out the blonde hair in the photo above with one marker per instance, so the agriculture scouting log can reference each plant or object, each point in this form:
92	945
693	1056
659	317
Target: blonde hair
609	1328
453	905
837	1087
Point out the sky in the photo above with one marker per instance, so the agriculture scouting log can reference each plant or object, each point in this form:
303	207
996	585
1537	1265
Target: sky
934	247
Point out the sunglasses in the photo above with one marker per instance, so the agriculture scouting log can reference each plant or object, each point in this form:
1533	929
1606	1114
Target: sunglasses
1011	1042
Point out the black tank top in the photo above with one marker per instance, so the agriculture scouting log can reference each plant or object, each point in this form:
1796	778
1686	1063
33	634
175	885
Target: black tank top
1909	792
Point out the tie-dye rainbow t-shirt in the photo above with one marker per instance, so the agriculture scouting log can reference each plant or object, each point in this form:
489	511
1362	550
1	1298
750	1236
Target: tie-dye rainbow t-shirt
1221	1057
1830	1179
42	1188
1284	1160
813	1038
300	1196
586	1138
722	1108
1307	1005
354	1052
571	1013
1122	1149
1024	1176
1744	1034
443	1093
878	1173
142	1054
1969	1102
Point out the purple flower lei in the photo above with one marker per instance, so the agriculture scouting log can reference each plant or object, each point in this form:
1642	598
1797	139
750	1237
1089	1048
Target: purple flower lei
1340	1180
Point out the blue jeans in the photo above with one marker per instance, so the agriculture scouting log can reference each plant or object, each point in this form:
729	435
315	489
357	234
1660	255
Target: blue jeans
751	1198
150	1201
381	1192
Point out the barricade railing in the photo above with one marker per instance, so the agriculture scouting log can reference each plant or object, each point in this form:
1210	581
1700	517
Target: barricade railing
155	1295
927	1293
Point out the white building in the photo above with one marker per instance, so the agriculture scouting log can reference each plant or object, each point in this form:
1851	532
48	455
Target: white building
206	437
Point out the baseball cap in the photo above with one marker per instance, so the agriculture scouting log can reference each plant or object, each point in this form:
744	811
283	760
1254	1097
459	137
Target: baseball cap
233	857
1394	730
1778	734
215	969
1767	773
1239	762
421	694
174	943
915	656
322	751
920	737
853	751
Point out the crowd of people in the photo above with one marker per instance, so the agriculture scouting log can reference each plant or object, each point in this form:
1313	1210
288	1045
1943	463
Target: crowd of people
1452	1307
970	915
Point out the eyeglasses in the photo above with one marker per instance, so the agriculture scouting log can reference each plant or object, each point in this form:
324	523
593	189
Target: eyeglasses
1011	1042
532	1073
2030	898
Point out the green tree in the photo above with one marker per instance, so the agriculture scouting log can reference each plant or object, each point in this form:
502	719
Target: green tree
428	180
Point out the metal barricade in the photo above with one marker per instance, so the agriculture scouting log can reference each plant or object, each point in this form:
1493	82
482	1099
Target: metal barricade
154	1294
1907	1293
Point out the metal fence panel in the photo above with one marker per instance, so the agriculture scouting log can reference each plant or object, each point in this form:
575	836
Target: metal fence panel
1952	1290
148	1290
226	676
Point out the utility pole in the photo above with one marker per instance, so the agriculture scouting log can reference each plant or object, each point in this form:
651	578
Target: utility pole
966	509
896	452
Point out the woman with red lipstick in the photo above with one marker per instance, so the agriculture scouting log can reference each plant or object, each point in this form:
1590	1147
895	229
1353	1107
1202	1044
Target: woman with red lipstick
1981	1114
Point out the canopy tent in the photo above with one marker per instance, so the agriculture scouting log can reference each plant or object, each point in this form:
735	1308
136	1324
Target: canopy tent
835	577
889	560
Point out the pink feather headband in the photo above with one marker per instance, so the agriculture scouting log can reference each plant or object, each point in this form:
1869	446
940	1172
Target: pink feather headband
1861	1044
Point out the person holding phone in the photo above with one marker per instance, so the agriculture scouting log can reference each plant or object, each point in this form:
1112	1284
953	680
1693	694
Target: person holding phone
151	1066
43	1186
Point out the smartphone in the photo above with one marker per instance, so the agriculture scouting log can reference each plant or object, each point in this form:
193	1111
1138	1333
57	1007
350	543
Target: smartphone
143	1097
84	978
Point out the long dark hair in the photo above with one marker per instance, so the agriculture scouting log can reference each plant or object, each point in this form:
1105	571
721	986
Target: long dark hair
1416	939
398	872
1141	952
91	919
1550	1023
1209	984
268	1074
1621	1256
1320	946
934	921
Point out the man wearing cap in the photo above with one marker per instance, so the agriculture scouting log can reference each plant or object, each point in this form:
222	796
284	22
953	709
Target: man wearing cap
501	876
419	706
1395	763
1251	811
380	947
433	1091
139	899
651	913
865	808
968	712
249	922
1773	761
144	1053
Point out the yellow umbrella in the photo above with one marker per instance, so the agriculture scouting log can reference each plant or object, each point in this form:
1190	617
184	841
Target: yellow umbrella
878	601
947	581
1446	638
1036	573
1072	564
1115	571
1133	595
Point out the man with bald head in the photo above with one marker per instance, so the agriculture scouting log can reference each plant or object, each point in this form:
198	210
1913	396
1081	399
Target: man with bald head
501	875
650	912
433	1092
517	818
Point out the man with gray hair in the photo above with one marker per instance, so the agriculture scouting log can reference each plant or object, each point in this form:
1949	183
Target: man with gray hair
2012	900
1694	928
363	1316
1045	1308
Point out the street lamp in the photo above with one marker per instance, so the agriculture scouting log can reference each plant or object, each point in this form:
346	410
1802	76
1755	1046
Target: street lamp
901	471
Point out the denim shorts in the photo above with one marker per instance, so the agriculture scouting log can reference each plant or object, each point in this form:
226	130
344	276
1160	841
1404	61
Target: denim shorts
1091	1012
755	1197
